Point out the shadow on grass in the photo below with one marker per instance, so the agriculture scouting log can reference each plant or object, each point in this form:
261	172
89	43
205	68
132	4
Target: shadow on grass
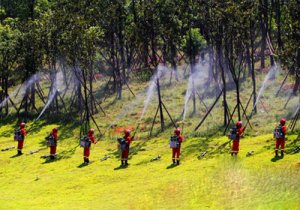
66	154
14	120
121	167
63	155
276	158
49	160
172	166
16	155
152	160
82	165
293	147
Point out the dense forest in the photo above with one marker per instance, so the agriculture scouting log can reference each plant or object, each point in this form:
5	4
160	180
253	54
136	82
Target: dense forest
120	39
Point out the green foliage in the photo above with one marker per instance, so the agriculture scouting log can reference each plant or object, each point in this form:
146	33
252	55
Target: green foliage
193	42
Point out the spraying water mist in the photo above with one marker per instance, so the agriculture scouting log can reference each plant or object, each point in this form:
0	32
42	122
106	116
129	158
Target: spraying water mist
271	74
161	70
58	87
196	81
22	89
139	97
297	110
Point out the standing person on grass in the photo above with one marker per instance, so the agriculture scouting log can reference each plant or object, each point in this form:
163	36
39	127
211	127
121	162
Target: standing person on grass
235	135
124	146
279	134
175	144
20	137
86	142
52	139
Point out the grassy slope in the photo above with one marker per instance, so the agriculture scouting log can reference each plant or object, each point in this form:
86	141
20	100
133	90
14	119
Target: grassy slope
216	182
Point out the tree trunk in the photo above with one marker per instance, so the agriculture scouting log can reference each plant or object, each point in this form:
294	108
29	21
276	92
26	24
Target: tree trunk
32	95
173	60
238	99
6	93
53	84
192	63
278	24
252	66
2	95
220	59
90	75
162	121
264	29
297	82
86	104
79	97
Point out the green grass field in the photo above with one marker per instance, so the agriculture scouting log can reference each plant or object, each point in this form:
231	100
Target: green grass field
218	181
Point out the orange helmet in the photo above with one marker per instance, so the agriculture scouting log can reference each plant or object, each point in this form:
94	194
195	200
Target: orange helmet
55	130
22	125
282	121
177	131
239	124
91	131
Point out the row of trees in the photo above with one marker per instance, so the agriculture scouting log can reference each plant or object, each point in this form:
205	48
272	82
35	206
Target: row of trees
126	36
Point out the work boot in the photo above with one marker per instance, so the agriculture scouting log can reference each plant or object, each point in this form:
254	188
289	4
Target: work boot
52	157
126	163
276	153
20	152
178	162
122	162
84	159
282	153
87	160
173	161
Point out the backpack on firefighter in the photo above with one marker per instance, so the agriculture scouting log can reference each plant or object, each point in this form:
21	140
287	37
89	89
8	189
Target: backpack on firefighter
233	133
278	132
174	142
18	136
122	143
85	142
50	140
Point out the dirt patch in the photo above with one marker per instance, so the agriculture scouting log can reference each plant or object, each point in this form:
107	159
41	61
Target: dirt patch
122	129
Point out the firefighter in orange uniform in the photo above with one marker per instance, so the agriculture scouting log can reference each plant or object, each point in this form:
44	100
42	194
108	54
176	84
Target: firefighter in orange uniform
53	142
280	137
21	137
236	141
176	151
86	151
125	147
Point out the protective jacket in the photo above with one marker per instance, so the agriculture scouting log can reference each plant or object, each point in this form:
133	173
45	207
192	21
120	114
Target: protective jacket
125	151
236	141
176	151
86	150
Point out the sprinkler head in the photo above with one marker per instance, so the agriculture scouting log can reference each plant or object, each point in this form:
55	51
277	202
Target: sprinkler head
250	153
156	158
202	155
